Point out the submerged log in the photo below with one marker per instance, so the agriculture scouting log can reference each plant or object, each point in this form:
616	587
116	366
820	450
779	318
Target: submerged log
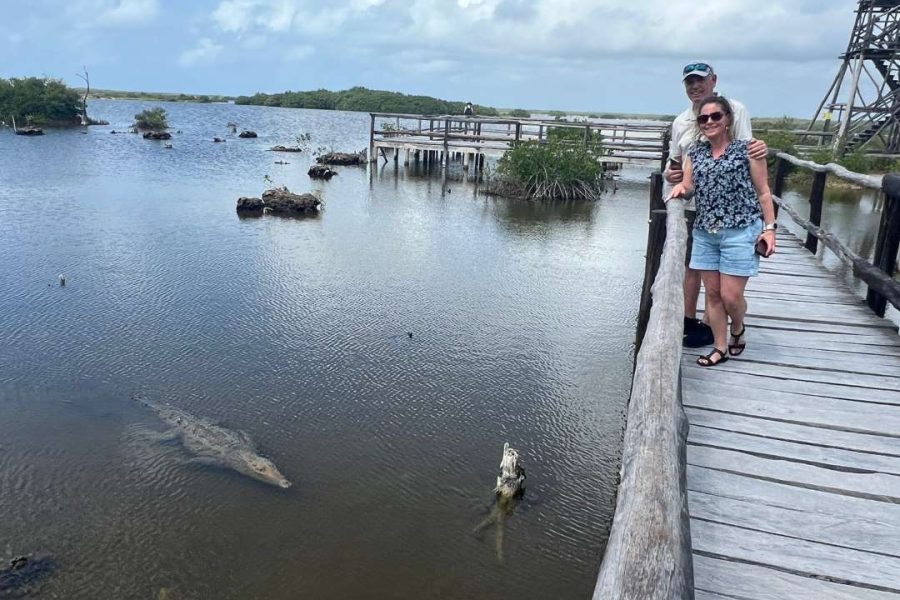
157	135
218	139
280	200
343	158
247	134
286	149
321	172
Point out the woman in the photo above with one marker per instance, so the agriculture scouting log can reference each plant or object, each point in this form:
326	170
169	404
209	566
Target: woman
735	215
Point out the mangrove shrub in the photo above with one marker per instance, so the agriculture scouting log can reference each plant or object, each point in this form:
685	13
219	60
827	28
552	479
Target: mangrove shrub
153	119
554	170
39	101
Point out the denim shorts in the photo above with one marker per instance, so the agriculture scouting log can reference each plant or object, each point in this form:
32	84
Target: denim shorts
729	251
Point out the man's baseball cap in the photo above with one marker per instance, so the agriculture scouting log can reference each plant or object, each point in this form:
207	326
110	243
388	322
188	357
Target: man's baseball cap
701	69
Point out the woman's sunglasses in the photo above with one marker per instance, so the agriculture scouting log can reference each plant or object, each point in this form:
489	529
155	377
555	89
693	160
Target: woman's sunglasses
714	117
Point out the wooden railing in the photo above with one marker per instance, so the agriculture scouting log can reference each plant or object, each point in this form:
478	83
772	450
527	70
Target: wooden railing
648	555
882	288
634	141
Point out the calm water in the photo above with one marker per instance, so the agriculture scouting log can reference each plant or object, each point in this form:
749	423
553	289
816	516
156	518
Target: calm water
295	332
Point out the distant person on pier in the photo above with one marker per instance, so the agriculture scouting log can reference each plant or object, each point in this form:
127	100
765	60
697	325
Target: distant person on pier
735	217
468	111
699	83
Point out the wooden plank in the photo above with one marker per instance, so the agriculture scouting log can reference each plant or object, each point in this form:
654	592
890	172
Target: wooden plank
847	531
859	316
824	340
739	581
809	411
797	556
801	386
875	384
788	324
750	489
788	356
875	486
841	459
833	437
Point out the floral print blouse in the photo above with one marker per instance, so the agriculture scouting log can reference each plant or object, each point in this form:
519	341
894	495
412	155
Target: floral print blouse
723	188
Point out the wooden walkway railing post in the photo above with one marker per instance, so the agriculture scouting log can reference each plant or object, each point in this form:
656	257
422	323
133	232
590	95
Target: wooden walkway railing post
888	243
782	170
816	198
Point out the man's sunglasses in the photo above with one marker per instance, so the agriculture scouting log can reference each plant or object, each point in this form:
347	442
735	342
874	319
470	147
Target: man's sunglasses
714	117
696	67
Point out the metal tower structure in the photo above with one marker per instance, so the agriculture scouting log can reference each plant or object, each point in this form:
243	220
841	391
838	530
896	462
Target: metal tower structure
868	114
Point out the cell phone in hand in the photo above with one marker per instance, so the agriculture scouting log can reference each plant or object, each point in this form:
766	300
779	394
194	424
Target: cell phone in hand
762	248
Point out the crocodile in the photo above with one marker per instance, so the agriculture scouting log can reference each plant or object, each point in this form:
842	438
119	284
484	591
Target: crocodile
216	445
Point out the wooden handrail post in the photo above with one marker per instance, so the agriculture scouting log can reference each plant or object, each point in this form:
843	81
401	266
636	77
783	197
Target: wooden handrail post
372	139
782	170
666	138
816	198
888	242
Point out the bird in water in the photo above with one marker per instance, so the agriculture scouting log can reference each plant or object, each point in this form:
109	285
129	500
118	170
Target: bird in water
62	280
409	333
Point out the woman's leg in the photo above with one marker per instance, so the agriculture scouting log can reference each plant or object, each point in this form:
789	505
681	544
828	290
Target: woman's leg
715	308
732	294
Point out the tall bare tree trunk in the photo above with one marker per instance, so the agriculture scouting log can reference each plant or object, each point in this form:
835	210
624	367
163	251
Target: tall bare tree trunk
87	90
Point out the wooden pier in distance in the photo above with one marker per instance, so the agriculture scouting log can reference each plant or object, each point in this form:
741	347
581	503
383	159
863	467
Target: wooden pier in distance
442	139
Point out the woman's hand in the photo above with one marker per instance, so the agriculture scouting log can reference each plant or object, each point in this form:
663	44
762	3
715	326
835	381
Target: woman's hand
679	191
768	238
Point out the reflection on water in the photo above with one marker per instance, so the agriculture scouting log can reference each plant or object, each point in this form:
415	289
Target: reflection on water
854	216
295	331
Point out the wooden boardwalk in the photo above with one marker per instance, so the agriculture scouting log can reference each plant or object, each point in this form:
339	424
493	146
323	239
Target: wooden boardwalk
793	458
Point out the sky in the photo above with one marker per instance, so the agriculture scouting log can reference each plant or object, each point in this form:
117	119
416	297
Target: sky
778	57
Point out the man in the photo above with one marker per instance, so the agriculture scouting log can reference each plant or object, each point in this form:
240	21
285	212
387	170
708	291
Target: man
700	82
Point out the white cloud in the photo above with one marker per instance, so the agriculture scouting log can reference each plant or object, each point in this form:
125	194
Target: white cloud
205	52
127	12
574	29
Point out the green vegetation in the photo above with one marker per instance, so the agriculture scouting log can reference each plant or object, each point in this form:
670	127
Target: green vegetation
551	171
363	100
519	113
39	101
152	119
163	96
574	135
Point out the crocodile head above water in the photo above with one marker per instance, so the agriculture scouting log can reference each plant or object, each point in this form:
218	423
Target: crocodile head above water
263	469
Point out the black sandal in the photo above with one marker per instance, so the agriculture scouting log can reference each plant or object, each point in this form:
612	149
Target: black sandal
737	345
707	361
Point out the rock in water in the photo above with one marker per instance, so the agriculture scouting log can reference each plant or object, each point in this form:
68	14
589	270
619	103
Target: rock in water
223	447
343	158
321	172
247	134
280	200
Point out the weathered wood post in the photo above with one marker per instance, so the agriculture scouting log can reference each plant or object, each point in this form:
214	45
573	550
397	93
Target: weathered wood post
446	143
518	132
656	238
816	197
666	138
888	242
372	157
782	170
